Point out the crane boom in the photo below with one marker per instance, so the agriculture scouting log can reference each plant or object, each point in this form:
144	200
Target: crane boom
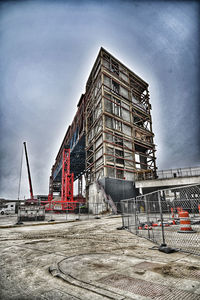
29	174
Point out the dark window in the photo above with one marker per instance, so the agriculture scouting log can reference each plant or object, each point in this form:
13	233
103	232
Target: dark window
120	174
119	153
118	139
114	67
115	87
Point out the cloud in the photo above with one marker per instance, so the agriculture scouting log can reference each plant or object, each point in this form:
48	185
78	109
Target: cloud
47	49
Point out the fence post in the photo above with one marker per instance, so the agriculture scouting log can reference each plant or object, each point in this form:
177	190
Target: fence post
147	214
161	218
127	215
123	215
135	212
79	210
67	212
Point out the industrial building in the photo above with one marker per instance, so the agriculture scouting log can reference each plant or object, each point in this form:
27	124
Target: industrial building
111	138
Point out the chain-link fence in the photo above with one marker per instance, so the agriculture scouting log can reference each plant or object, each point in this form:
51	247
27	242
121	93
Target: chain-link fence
80	212
87	211
170	216
72	211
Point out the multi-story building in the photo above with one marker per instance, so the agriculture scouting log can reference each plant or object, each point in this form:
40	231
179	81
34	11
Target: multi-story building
111	135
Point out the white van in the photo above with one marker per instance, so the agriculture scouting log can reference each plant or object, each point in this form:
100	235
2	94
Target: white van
9	208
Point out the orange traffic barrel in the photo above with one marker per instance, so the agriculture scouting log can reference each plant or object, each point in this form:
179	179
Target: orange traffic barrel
179	209
185	223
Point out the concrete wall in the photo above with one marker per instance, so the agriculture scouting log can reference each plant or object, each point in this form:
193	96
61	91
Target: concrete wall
118	189
96	200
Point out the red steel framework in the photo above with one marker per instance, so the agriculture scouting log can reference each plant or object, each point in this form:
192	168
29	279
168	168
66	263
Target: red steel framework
67	183
67	200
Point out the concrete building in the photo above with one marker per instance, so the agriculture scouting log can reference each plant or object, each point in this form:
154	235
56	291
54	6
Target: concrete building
111	136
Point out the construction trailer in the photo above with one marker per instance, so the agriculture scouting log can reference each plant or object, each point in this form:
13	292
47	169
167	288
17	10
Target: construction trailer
111	138
30	212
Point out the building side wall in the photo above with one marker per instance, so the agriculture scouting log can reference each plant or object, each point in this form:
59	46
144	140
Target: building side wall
119	137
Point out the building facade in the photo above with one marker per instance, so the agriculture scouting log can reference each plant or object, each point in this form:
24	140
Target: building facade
111	135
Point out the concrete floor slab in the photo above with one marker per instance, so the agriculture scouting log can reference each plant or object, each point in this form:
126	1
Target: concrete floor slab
109	264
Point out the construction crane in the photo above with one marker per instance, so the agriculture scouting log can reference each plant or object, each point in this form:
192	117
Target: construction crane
29	173
30	210
31	200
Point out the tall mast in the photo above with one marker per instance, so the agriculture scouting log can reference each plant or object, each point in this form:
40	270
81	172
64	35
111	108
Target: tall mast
29	174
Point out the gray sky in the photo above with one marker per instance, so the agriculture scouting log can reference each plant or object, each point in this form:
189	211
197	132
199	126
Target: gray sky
47	49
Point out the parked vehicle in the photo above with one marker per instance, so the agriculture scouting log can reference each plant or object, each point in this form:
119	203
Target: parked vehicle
8	208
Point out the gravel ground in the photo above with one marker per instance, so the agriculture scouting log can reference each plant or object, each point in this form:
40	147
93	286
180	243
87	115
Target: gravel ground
91	259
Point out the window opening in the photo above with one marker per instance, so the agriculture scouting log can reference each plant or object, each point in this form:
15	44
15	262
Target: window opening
115	87
120	174
117	107
114	67
119	153
118	139
117	125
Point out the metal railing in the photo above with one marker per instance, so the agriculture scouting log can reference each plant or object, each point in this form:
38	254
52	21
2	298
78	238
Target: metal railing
181	172
157	217
165	174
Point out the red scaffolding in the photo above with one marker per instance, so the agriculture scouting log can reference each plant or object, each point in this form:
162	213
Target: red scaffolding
67	200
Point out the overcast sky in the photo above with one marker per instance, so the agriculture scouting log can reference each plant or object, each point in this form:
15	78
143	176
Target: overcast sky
47	49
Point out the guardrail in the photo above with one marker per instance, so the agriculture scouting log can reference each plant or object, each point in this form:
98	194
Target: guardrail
164	174
181	172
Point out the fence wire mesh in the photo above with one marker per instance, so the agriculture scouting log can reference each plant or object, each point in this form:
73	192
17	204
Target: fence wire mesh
170	216
81	211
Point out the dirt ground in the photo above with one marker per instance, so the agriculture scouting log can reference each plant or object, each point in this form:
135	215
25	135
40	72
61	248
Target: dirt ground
91	259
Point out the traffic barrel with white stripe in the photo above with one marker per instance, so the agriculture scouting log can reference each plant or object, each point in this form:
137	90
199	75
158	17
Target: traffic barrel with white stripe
185	223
